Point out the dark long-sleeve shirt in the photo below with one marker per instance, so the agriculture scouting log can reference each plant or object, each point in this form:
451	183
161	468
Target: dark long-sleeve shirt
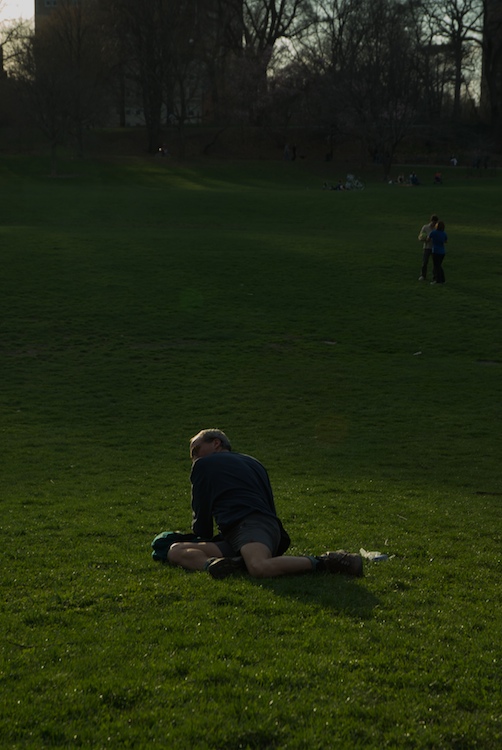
227	487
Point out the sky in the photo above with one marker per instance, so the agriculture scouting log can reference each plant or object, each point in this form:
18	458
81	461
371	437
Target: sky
14	9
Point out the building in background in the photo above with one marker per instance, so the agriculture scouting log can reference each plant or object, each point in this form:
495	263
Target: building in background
43	8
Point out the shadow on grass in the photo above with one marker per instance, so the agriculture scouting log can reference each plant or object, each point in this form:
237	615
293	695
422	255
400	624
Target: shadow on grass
339	594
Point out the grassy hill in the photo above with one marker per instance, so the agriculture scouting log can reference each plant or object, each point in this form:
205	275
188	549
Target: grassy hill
144	299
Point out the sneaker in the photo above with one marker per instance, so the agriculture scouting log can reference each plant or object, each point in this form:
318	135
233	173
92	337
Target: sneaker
221	567
421	278
342	562
433	282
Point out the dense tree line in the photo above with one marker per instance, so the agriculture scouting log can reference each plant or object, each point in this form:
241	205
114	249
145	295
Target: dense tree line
368	69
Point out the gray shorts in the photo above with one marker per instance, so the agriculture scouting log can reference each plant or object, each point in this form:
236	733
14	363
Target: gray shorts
256	527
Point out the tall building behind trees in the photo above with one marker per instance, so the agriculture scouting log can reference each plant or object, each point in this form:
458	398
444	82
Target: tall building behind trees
43	8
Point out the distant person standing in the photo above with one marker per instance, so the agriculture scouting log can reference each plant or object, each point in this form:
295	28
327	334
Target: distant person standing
427	246
439	238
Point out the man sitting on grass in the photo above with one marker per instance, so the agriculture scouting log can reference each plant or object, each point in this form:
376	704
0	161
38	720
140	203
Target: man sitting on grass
234	490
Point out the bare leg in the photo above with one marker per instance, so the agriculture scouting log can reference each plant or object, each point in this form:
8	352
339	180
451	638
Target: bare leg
192	555
261	564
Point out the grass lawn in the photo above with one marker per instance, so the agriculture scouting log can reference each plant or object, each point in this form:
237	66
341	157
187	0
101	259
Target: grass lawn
144	300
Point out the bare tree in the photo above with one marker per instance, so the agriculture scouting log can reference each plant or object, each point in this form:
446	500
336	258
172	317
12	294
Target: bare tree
458	25
10	34
161	58
434	66
368	82
45	89
263	25
216	45
267	21
186	79
141	26
60	74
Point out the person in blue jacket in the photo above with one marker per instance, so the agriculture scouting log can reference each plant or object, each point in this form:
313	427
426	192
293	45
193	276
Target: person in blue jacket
233	490
439	238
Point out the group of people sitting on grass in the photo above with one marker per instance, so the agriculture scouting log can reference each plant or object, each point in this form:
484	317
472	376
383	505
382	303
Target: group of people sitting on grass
351	182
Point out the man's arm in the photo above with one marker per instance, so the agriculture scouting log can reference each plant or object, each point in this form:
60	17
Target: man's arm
202	518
